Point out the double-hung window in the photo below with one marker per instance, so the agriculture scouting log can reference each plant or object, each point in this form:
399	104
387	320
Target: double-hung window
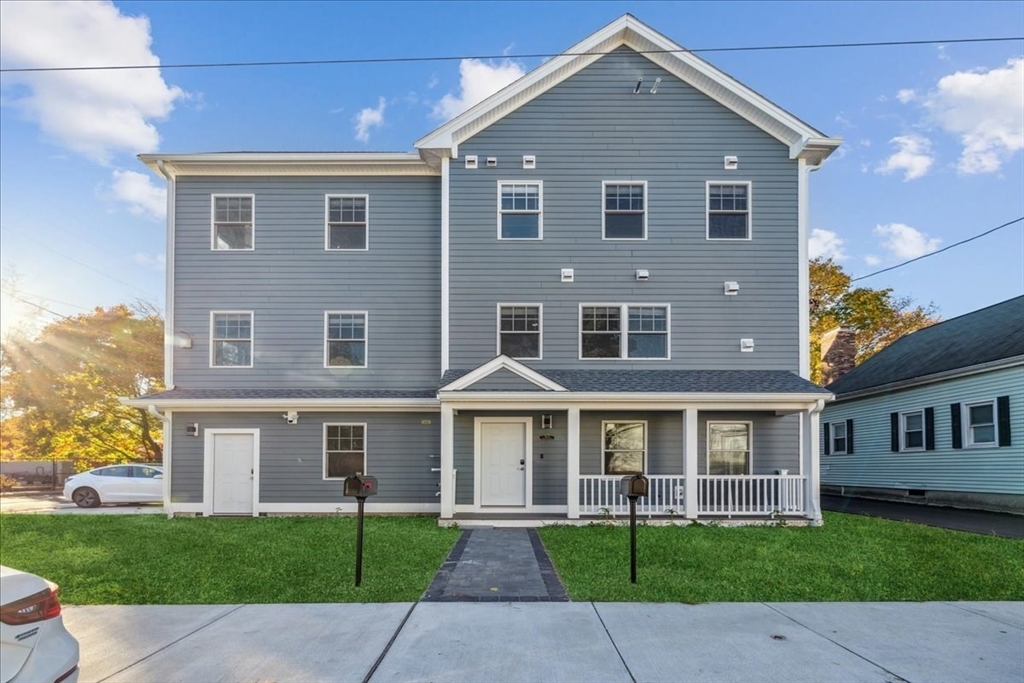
233	221
625	447
625	210
624	331
728	448
728	211
344	450
347	222
345	339
912	431
981	423
231	339
520	211
840	442
519	330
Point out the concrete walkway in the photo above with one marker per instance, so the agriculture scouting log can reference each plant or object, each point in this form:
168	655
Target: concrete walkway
975	521
553	641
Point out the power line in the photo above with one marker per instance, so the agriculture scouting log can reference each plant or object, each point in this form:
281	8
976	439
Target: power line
41	308
51	299
969	239
450	58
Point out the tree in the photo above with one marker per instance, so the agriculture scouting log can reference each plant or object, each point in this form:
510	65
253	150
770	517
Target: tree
878	316
61	387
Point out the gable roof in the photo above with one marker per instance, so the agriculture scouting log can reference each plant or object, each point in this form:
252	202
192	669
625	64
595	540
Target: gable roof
985	336
465	379
804	141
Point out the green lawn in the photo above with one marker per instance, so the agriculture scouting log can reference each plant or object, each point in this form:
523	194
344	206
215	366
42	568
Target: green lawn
850	558
148	559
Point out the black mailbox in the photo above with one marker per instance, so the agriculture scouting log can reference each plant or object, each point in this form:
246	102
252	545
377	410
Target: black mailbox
360	486
634	486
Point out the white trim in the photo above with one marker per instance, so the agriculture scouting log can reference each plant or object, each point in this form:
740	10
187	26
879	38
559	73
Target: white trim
448	471
349	508
643	469
365	447
515	400
539	212
965	416
502	363
537	510
750	444
366	340
478	421
185	508
604	212
691	494
233	164
327	219
540	329
235	405
252	341
750	210
169	338
832	438
803	269
445	263
213	219
624	331
904	448
208	449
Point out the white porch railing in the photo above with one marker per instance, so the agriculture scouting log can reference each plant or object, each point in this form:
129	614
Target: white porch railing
599	494
750	494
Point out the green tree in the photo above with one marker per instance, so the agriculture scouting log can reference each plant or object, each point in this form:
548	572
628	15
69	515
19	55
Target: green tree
878	316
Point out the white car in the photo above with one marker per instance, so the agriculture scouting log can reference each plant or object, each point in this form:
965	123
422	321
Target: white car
116	484
34	645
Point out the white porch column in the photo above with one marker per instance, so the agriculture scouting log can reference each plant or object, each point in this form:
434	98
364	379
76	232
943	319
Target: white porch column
690	463
573	464
810	463
447	461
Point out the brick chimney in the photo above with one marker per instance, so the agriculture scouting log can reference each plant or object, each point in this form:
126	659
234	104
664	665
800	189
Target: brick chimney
838	353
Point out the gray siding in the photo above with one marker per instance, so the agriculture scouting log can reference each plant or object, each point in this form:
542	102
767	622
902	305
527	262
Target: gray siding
590	128
289	280
399	449
504	380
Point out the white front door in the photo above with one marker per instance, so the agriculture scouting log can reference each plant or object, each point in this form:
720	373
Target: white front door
233	473
503	463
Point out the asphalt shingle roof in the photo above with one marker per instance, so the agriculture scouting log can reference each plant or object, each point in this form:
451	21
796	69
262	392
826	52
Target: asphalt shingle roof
986	335
243	394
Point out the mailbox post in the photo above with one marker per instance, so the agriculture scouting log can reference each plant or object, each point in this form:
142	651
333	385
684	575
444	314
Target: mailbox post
633	487
360	486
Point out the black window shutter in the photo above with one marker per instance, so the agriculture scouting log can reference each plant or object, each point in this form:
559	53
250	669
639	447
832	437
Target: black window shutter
828	439
1003	412
929	429
894	432
954	420
849	437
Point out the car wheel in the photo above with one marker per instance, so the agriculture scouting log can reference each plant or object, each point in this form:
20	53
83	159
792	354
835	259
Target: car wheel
86	498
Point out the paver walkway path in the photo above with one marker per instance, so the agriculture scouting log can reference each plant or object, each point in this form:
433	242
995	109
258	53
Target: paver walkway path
497	565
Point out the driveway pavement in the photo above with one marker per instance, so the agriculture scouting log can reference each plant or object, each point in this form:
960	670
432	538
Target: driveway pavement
976	521
55	503
553	641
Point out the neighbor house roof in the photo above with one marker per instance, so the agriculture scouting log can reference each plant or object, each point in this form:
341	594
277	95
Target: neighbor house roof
985	336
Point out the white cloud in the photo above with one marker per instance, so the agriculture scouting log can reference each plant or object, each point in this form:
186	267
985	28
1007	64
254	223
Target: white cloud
94	113
843	121
941	49
905	242
157	261
864	142
872	260
986	109
913	157
143	198
478	80
369	118
432	83
825	244
905	95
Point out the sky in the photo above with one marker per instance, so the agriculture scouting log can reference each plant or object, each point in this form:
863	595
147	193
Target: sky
933	152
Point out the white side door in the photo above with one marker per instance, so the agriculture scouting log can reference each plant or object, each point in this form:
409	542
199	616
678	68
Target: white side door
503	464
233	466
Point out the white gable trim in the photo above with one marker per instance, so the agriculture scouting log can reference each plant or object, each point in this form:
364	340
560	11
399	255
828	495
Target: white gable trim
503	363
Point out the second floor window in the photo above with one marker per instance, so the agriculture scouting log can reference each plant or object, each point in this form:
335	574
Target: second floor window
520	211
347	223
345	345
728	211
231	339
519	331
232	222
645	334
625	215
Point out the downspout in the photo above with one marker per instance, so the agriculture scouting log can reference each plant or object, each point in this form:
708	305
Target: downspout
169	280
166	421
814	471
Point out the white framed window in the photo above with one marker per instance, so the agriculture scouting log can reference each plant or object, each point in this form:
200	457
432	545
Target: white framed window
912	430
625	331
729	448
345	339
840	441
231	339
520	331
344	450
980	424
624	213
624	446
520	210
348	222
232	222
729	210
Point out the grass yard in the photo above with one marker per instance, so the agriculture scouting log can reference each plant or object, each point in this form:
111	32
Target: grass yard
850	558
148	559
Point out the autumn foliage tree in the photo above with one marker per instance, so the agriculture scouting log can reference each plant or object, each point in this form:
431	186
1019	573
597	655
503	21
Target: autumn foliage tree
61	388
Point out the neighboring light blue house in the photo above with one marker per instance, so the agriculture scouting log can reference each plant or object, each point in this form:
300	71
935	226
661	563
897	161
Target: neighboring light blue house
937	417
599	270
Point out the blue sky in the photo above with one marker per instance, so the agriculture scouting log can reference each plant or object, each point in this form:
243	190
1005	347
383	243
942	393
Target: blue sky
934	134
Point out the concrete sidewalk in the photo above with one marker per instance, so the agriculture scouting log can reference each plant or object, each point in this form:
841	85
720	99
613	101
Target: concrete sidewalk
877	642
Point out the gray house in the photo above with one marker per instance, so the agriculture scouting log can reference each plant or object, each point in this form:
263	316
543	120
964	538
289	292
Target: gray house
599	270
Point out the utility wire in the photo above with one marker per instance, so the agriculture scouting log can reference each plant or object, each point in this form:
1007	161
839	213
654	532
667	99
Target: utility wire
933	253
50	299
41	308
393	60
